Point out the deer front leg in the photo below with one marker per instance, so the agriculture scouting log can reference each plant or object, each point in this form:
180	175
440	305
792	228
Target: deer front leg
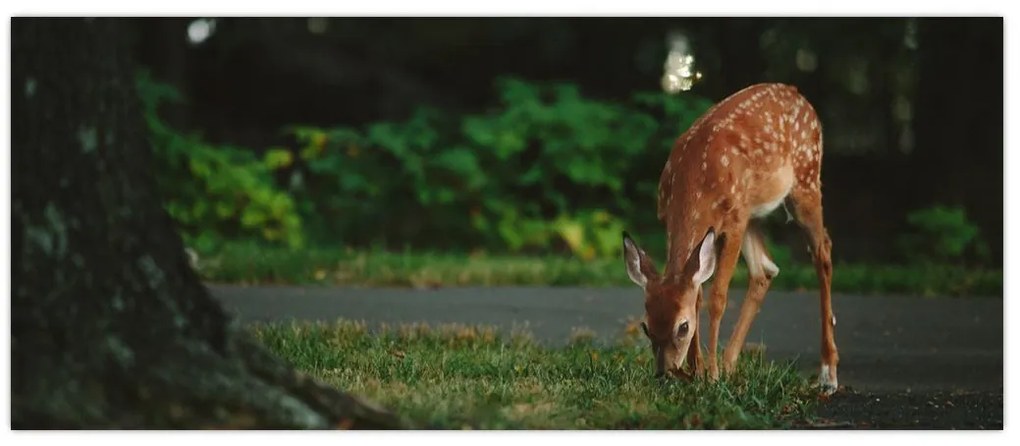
761	270
729	253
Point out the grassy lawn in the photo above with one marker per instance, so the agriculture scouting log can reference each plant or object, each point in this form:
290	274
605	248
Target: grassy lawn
457	377
255	264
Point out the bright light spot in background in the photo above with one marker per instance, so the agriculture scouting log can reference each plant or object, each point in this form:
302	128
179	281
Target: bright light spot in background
857	75
317	25
903	114
806	60
200	30
902	110
768	38
679	73
910	34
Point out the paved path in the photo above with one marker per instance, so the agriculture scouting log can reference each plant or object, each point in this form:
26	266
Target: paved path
886	343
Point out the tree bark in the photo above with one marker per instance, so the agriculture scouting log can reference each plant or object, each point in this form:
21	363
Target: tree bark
111	328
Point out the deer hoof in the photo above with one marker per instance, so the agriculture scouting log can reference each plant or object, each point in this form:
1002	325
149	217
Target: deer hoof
827	381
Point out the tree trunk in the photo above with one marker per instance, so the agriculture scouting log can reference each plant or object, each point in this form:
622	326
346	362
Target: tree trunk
110	327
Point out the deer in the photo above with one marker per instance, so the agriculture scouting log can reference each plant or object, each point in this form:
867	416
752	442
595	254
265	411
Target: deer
744	157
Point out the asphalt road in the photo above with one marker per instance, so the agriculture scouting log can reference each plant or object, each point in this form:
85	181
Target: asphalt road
885	343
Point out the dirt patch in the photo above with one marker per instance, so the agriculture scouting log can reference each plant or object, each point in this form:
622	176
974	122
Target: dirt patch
850	409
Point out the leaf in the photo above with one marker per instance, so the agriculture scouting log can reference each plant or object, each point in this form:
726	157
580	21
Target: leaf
446	196
277	158
532	175
224	209
199	209
280	205
271	234
199	168
478	130
458	160
571	232
252	217
205	242
353	182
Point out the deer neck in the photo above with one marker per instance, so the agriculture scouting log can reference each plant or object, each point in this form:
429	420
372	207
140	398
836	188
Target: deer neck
684	231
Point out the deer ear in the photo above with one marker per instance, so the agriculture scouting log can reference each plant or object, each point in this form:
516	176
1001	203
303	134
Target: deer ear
638	264
706	259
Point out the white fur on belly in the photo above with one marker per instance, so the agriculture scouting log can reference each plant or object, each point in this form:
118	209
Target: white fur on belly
766	208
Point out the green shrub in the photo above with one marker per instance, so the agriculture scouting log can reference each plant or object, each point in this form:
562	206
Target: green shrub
545	169
941	234
389	182
216	192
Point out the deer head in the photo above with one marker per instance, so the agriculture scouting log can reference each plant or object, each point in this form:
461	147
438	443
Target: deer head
671	306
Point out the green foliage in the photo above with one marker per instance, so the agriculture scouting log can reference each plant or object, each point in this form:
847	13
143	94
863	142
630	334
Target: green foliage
941	234
390	182
457	376
545	169
215	192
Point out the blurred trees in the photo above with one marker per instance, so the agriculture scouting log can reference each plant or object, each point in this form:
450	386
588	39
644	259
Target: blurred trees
912	108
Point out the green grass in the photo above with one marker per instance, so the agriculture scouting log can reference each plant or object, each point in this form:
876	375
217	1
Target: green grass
456	377
254	264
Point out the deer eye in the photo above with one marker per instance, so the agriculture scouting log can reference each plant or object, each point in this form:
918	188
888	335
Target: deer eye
644	328
682	331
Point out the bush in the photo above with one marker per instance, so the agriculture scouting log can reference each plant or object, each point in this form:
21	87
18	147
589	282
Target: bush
941	234
545	169
215	192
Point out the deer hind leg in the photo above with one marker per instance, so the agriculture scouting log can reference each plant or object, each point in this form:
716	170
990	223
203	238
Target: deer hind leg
727	262
761	270
807	204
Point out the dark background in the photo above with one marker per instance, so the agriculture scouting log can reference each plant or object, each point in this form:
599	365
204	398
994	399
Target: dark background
912	107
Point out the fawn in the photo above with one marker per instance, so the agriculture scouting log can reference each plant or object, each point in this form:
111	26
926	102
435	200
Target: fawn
755	150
